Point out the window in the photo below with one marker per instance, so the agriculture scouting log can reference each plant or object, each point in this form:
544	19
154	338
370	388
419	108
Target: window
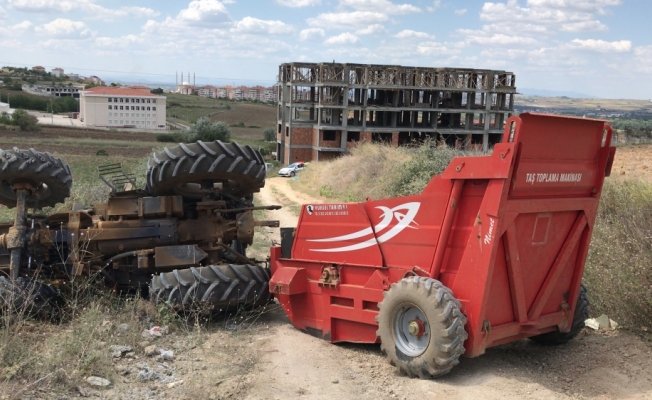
132	108
147	122
132	115
329	135
147	108
153	108
110	115
121	123
110	107
133	100
154	101
115	99
137	100
121	116
110	99
148	116
121	108
148	102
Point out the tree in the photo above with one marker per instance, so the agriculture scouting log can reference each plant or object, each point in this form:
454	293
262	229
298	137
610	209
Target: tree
157	91
269	135
25	121
206	131
113	84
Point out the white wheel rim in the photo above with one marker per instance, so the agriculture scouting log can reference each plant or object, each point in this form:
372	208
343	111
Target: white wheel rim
409	340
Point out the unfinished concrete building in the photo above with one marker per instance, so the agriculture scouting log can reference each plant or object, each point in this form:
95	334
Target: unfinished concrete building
325	109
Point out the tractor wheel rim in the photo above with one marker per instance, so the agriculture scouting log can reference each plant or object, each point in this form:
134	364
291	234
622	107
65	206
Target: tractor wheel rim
411	329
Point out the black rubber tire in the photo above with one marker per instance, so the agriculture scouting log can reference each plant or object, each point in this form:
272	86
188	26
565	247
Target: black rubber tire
224	286
181	169
29	297
292	174
581	314
443	317
48	174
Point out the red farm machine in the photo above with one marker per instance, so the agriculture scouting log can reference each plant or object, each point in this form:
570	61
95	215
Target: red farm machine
492	251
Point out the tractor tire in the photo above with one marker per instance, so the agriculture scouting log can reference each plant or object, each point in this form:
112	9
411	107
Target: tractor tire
224	286
421	327
581	314
31	298
181	169
50	177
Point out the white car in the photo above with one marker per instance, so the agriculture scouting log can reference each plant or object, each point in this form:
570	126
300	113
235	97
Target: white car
292	169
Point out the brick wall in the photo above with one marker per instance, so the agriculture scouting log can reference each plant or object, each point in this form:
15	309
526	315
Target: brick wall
300	155
301	135
365	137
330	143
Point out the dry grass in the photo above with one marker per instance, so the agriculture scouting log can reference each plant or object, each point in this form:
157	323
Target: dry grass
619	267
377	171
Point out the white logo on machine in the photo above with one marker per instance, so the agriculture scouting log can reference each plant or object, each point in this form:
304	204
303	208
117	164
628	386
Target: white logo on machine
309	208
404	220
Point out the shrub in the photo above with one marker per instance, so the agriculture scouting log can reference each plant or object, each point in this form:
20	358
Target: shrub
206	131
269	135
175	137
238	125
102	152
25	121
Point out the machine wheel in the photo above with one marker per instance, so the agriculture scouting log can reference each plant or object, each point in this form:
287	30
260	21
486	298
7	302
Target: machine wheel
182	169
581	314
223	286
292	174
421	327
48	175
28	297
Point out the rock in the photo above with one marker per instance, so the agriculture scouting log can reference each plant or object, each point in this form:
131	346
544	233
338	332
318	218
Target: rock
150	350
167	355
603	320
144	344
97	381
592	323
123	328
336	381
173	384
118	351
613	324
83	392
147	374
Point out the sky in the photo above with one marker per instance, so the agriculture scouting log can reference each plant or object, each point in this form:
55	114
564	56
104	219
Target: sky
602	48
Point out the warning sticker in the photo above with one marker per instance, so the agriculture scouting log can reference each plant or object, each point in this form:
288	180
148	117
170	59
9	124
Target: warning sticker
327	210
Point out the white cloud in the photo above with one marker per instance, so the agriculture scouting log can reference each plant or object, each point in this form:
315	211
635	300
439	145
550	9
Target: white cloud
95	11
435	5
409	34
312	34
557	15
298	3
342	39
257	26
483	37
62	28
23	26
435	49
460	12
643	59
208	13
385	6
601	46
375	29
3	13
344	20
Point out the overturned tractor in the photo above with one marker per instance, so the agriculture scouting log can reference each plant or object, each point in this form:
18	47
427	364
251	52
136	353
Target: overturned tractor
180	240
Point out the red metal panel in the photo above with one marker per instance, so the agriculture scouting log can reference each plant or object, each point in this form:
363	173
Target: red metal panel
511	245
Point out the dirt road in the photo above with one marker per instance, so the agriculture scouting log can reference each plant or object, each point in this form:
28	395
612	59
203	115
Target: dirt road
293	364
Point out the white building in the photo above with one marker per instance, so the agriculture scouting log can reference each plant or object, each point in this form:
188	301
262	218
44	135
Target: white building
130	107
4	108
58	72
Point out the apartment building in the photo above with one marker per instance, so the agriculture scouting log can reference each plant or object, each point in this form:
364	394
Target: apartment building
325	109
122	107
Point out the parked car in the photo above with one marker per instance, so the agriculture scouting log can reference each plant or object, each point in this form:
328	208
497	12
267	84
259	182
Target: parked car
292	169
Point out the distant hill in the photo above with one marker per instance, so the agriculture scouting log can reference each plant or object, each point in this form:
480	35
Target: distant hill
553	93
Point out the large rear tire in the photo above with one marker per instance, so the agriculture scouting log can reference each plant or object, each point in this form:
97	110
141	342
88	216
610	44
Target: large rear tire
28	297
48	175
182	169
421	327
223	286
581	314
